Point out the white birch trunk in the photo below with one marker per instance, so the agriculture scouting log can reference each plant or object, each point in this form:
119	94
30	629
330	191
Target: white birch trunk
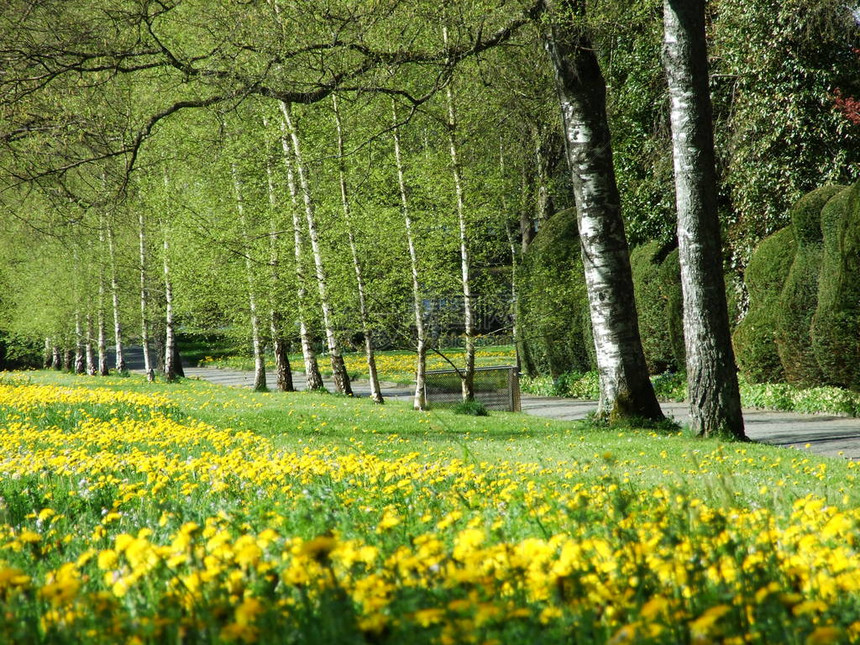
420	399
313	378
375	392
339	373
625	389
715	406
468	316
114	288
170	371
88	347
144	304
256	340
102	368
280	345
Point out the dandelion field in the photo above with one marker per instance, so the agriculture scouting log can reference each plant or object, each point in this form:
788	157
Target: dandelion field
191	513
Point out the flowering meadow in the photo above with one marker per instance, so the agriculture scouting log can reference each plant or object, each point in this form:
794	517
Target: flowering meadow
191	513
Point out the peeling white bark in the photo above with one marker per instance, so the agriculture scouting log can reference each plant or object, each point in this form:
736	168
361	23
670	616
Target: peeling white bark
256	338
625	389
144	304
280	345
711	372
420	399
375	391
312	373
114	289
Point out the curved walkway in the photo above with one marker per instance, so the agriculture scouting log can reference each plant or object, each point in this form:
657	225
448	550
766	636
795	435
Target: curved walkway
828	435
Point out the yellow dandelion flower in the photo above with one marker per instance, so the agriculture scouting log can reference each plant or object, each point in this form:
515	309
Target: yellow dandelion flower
824	635
107	559
702	625
809	607
427	617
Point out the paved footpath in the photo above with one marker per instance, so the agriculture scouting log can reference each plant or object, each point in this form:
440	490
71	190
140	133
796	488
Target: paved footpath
828	435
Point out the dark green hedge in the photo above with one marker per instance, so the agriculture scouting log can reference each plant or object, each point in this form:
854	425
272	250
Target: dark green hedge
765	275
799	298
553	304
670	275
657	285
835	329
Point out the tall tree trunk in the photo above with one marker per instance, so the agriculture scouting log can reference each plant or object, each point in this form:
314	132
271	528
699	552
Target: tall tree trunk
88	347
56	358
280	344
712	383
375	392
527	225
100	321
47	356
420	399
339	373
114	289
625	389
468	315
80	359
170	363
256	338
313	378
144	304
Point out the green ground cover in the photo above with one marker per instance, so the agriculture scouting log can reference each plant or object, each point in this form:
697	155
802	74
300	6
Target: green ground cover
134	512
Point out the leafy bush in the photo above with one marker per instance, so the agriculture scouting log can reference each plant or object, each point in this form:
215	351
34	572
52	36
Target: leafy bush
471	408
814	400
670	386
754	343
835	330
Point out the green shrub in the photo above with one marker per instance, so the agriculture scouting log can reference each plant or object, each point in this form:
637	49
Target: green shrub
835	330
652	305
754	343
799	298
471	408
553	304
670	386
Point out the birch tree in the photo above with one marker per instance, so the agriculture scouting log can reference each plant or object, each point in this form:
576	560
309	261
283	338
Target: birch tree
280	344
712	383
468	376
256	334
420	398
114	290
625	389
144	295
375	392
339	373
313	378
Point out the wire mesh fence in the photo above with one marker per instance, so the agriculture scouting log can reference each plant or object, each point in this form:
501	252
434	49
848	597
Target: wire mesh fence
498	388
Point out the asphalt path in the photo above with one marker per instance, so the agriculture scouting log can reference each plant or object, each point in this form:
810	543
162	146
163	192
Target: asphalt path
829	435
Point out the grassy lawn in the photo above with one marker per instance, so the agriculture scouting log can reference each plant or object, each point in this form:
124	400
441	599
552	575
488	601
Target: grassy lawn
196	513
